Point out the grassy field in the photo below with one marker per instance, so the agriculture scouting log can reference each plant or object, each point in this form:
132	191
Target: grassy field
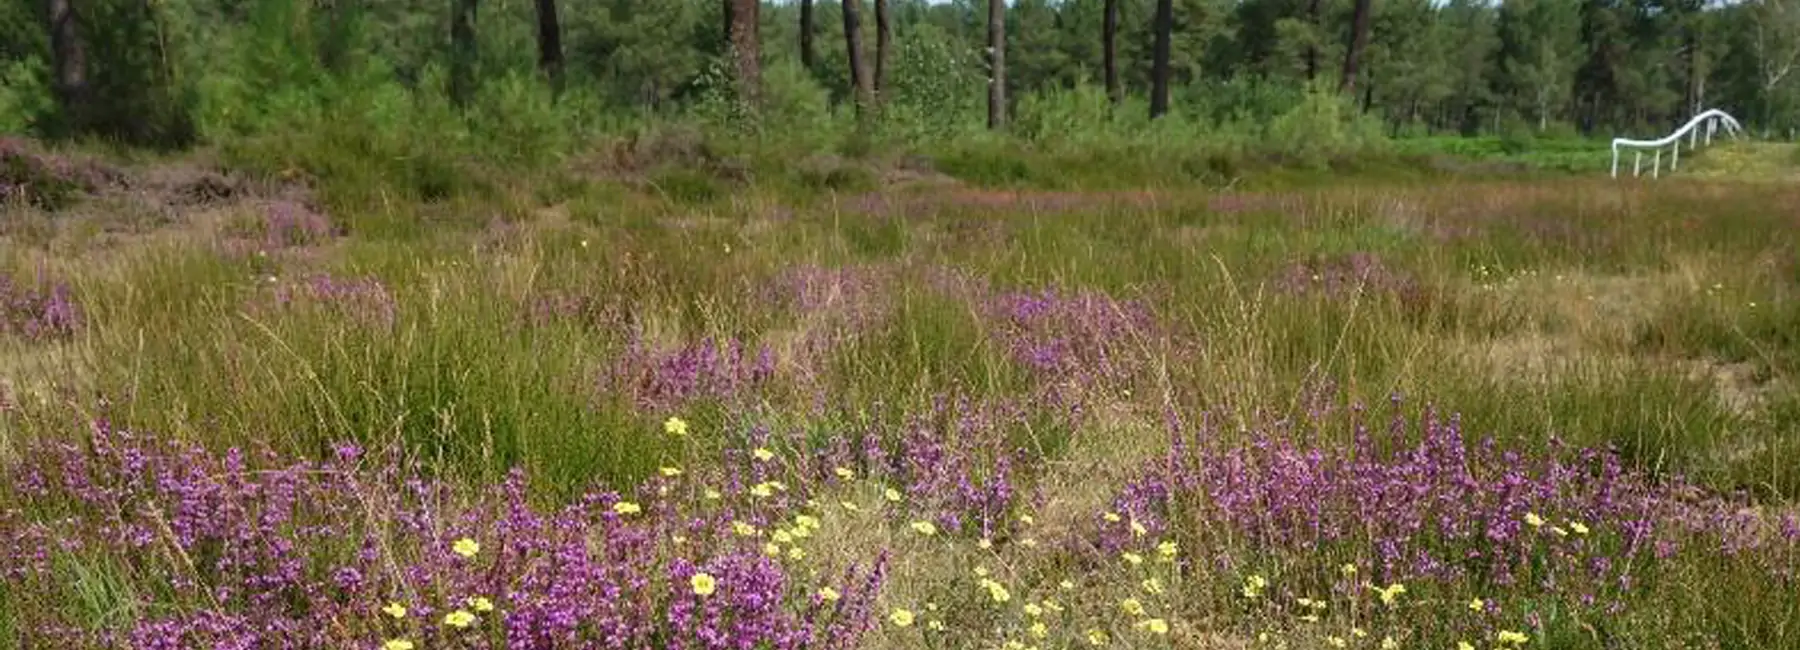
906	409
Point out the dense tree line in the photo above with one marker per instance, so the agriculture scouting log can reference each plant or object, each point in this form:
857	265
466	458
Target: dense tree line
149	70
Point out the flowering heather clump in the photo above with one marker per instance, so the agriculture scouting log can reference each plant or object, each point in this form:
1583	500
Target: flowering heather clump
291	223
1084	338
842	300
664	380
955	466
363	299
560	306
36	313
44	181
249	550
1336	278
1569	526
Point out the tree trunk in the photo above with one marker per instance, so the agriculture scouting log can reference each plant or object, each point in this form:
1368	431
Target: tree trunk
1696	81
996	64
807	56
1159	64
884	36
70	59
463	53
1359	39
1109	46
746	49
1312	46
550	54
861	82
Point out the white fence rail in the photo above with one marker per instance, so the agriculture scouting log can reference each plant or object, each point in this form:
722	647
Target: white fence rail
1707	124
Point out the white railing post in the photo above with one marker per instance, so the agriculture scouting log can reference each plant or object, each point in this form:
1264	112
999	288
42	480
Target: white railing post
1709	121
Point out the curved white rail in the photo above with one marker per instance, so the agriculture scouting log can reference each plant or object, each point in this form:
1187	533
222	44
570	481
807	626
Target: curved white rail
1711	119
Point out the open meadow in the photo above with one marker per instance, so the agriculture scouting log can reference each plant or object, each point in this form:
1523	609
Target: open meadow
1432	411
899	324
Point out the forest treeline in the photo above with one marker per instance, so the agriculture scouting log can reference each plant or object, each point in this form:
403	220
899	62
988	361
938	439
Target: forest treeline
181	71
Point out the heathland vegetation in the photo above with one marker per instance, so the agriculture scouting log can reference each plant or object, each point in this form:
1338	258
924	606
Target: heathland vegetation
397	325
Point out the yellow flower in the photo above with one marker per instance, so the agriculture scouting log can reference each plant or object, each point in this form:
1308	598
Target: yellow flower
1156	626
772	549
466	547
891	494
783	536
1066	585
1040	630
1167	549
1310	618
703	584
627	508
675	426
1138	529
479	604
1477	605
671	472
1029	542
1348	569
1132	558
743	529
844	473
807	521
1578	527
925	528
981	571
1464	645
1509	636
1391	592
1033	610
984	544
997	591
459	618
796	554
850	506
1388	643
1336	641
1111	517
678	539
1253	587
763	454
802	532
1132	606
1358	632
1262	637
1532	519
397	644
1052	606
1559	531
934	625
829	595
1096	638
395	610
900	618
1027	519
1153	586
713	495
762	490
1013	645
